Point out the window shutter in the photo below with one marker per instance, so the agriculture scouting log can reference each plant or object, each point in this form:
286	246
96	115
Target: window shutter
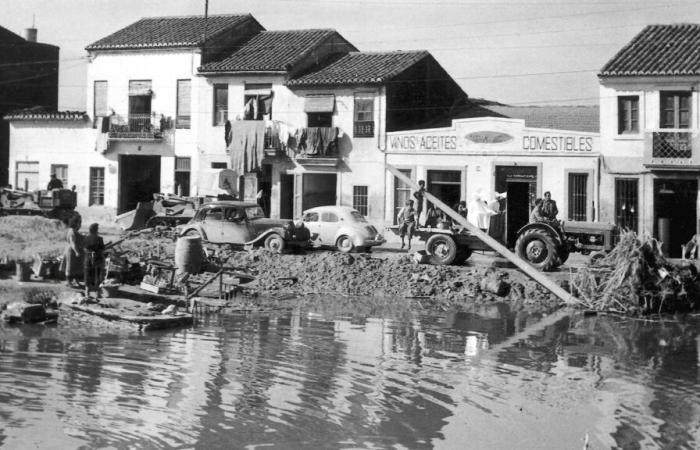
319	104
184	97
140	87
100	101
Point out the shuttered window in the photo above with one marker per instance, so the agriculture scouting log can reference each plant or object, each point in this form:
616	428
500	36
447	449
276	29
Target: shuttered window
184	102
628	114
675	109
97	186
626	203
363	125
578	196
100	104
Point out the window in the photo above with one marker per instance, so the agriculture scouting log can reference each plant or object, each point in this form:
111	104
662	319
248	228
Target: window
61	171
257	101
402	192
182	176
628	114
319	119
675	110
359	199
27	176
100	105
97	186
220	104
364	116
310	217
578	196
329	217
214	214
626	207
184	102
219	165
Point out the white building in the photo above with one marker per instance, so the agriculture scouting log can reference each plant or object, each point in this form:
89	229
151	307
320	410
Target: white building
650	118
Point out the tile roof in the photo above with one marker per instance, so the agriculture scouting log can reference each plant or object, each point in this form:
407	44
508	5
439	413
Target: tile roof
659	50
271	51
164	32
9	37
361	68
572	118
44	114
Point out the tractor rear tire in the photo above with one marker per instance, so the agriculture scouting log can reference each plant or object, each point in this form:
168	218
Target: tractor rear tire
442	249
539	248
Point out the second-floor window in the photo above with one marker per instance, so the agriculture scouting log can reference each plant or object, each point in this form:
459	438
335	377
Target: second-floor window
184	88
100	105
628	114
319	110
257	101
220	104
363	124
675	109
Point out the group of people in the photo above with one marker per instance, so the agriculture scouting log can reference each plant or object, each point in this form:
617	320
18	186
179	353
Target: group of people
84	257
545	209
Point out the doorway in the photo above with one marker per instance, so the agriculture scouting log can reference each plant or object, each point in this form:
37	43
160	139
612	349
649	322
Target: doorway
139	179
520	185
445	185
675	213
286	196
318	190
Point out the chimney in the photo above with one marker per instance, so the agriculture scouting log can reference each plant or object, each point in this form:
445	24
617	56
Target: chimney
30	34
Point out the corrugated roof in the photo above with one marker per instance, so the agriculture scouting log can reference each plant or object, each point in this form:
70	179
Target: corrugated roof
43	114
659	50
165	32
361	68
271	51
572	118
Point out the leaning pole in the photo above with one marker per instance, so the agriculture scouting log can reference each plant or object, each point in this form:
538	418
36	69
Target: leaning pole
530	271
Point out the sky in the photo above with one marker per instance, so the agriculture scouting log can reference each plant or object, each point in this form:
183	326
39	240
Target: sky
518	52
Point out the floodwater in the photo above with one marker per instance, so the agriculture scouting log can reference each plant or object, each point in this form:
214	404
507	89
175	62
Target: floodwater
318	377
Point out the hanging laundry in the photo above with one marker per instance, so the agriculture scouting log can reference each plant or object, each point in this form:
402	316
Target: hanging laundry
247	145
227	133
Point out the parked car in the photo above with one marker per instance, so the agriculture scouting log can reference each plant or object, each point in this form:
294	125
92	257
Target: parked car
240	223
342	227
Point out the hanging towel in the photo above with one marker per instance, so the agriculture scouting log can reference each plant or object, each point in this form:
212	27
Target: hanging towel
227	133
322	141
247	145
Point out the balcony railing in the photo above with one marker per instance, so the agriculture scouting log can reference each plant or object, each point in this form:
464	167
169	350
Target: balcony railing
672	148
136	126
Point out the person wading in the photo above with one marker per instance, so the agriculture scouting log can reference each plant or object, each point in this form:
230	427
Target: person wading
94	261
74	252
407	221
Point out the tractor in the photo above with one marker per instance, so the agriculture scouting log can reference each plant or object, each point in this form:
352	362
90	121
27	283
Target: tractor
53	204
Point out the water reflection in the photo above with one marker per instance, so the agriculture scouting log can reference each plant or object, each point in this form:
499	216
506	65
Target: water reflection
324	377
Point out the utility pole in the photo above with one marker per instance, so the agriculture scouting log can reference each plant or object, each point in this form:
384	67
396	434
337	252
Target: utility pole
204	37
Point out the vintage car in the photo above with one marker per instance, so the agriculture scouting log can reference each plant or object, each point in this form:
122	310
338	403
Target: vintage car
342	227
240	223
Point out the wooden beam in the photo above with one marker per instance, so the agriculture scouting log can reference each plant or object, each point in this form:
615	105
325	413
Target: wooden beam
533	273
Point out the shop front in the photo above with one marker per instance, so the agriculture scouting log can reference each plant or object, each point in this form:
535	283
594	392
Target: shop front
477	158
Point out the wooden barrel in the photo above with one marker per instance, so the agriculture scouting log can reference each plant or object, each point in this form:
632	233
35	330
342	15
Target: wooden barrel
189	255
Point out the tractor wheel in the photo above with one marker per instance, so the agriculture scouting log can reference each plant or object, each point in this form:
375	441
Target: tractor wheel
463	254
538	248
344	244
275	243
595	257
442	249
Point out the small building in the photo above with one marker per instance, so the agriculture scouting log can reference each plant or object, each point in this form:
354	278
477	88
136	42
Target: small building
28	79
649	121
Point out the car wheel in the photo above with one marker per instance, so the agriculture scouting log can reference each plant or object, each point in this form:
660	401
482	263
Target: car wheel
344	244
442	249
275	243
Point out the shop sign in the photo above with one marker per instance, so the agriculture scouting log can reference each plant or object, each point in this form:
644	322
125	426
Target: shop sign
488	137
555	143
424	143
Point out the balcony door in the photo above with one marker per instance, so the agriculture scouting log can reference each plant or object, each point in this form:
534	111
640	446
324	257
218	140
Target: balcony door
139	105
675	109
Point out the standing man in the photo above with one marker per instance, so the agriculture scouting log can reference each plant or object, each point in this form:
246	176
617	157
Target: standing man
54	183
419	195
407	222
548	207
93	263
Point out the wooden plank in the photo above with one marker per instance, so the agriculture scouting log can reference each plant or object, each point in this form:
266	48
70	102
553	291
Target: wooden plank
530	271
145	322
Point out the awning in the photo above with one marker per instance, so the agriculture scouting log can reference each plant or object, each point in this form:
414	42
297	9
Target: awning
258	89
319	103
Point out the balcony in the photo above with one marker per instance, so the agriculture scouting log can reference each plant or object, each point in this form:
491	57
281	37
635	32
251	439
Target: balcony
672	149
138	127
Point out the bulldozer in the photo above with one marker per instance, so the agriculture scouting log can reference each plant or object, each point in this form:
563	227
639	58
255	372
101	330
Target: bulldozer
53	204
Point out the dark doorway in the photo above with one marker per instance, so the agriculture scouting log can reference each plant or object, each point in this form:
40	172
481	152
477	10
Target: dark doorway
318	190
675	213
518	211
139	112
446	185
286	196
139	179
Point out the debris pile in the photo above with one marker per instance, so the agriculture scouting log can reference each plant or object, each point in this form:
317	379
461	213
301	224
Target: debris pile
636	278
22	238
